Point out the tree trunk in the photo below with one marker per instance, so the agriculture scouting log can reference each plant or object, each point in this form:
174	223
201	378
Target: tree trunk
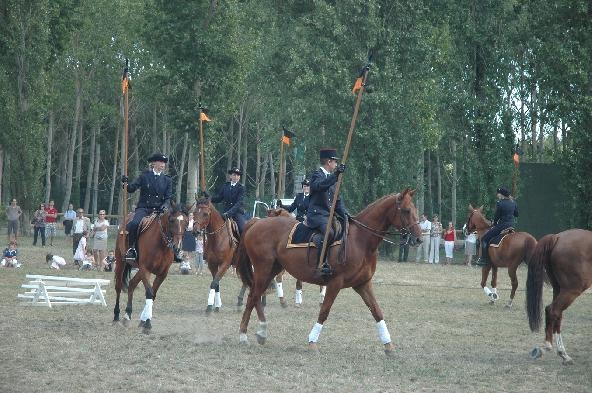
48	158
429	194
72	145
421	182
258	164
263	176
114	174
439	185
90	171
181	172
533	121
192	174
78	163
271	176
454	183
95	181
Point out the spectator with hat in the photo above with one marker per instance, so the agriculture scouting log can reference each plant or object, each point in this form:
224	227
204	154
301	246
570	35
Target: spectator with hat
232	195
156	191
322	191
301	201
505	211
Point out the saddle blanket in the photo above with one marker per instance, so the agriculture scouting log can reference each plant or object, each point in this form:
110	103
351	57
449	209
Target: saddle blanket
497	241
301	236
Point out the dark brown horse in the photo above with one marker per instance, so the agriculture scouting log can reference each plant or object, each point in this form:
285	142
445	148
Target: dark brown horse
512	251
155	256
219	246
566	258
262	254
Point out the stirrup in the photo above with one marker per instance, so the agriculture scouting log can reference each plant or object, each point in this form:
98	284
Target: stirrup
131	253
326	270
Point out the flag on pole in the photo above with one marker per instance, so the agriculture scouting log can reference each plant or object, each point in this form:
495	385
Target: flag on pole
357	85
517	153
287	136
203	116
125	84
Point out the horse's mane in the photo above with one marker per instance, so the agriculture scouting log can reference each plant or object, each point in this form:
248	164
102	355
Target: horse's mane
376	202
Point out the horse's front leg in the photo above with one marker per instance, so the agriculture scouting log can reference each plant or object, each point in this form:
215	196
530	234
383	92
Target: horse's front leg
366	292
484	275
131	287
146	315
332	290
514	281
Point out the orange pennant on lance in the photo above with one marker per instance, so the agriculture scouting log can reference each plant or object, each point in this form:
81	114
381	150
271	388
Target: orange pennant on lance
516	158
124	85
357	85
285	140
203	117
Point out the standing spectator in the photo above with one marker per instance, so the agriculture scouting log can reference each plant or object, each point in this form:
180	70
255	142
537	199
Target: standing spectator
188	243
435	235
449	238
403	248
13	214
470	246
38	223
79	225
424	246
55	261
199	250
9	256
100	237
51	219
80	253
69	217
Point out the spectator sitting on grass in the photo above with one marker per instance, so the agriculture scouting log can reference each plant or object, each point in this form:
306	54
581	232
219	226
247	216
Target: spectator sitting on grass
55	261
9	256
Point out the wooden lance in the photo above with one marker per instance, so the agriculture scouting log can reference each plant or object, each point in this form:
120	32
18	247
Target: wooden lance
202	171
125	86
360	86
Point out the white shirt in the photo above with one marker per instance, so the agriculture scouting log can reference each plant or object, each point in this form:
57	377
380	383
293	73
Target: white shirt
326	172
426	227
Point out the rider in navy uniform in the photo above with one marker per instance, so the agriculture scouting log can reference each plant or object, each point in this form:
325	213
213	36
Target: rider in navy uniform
322	191
156	191
505	211
301	201
232	195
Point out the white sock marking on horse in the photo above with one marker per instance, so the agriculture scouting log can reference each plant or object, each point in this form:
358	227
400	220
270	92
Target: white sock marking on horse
383	333
262	332
559	343
280	290
323	290
148	308
487	291
313	336
211	297
217	300
298	296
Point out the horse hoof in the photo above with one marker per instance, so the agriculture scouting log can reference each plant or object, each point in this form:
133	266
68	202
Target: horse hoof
283	303
297	305
141	324
389	349
147	327
243	339
217	309
567	361
508	306
146	330
209	309
260	339
536	353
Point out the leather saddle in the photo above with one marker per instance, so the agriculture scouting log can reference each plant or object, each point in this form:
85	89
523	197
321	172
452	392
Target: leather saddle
301	235
497	241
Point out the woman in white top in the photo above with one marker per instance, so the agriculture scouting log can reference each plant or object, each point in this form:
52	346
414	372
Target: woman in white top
100	238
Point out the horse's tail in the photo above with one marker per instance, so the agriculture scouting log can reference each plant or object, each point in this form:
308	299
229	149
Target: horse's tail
537	263
127	273
242	262
529	246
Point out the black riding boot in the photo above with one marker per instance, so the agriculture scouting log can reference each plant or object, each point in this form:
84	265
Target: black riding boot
325	267
131	252
483	259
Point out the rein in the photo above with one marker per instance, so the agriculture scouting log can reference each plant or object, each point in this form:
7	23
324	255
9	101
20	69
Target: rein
168	240
382	234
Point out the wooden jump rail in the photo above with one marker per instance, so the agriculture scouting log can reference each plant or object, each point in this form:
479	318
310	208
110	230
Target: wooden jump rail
52	290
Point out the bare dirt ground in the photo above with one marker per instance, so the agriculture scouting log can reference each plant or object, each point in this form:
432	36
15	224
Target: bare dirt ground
448	339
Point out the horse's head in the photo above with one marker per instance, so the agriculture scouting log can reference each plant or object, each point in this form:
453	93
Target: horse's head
476	220
176	224
278	212
202	214
405	217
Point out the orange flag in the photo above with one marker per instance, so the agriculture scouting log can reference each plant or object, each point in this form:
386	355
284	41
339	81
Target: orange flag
287	136
357	85
203	117
516	158
124	84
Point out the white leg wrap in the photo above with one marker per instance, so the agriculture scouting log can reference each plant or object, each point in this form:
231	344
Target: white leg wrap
298	296
487	291
494	290
143	314
262	332
217	300
280	290
313	336
323	290
149	308
211	297
383	333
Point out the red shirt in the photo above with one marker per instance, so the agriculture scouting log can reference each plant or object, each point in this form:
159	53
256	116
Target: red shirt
51	210
449	236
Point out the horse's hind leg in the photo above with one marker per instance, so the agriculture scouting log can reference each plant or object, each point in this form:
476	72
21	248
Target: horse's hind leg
240	297
253	299
554	316
298	294
367	293
514	281
130	297
332	290
279	287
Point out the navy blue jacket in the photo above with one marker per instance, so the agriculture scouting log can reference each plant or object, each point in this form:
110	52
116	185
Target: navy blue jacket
155	191
300	204
322	190
232	198
505	211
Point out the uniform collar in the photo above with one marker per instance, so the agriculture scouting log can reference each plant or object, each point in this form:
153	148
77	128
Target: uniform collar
232	184
156	174
326	172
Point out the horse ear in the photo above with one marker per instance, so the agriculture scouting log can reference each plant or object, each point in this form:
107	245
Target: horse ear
471	208
412	192
481	208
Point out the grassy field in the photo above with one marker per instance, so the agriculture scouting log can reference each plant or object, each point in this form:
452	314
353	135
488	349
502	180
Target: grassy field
448	339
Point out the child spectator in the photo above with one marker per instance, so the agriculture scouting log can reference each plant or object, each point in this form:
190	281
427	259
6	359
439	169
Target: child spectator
199	260
9	256
108	263
449	238
185	267
55	261
80	253
88	262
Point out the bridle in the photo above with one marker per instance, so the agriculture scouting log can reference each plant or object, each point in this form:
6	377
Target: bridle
168	235
209	214
468	226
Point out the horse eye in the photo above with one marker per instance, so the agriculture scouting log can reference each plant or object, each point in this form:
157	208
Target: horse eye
406	210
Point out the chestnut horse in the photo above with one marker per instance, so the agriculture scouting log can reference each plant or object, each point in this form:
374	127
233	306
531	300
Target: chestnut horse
155	256
262	254
515	248
219	246
566	257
